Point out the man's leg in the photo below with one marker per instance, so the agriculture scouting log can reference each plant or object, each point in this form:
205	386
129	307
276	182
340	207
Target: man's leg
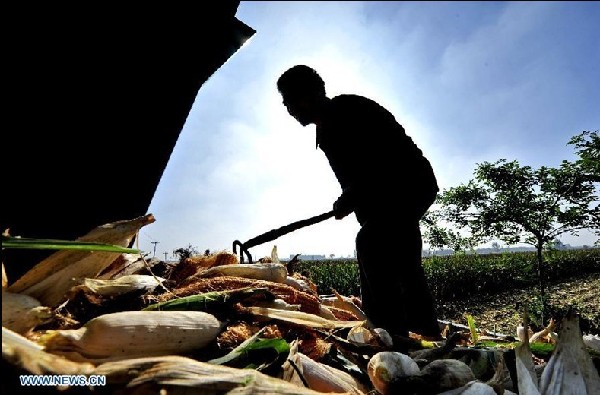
394	289
420	306
382	299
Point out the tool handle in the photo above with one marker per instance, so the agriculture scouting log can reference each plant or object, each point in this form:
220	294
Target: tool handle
275	233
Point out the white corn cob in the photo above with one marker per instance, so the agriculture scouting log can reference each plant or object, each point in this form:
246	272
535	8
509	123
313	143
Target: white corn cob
385	366
121	285
130	334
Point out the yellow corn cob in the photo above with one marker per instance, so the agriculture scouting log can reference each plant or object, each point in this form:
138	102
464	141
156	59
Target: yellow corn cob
130	334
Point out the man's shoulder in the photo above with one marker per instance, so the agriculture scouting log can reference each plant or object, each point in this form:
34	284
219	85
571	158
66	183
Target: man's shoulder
357	102
351	98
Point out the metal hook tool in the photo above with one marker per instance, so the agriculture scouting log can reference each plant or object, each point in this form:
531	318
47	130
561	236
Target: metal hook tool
276	233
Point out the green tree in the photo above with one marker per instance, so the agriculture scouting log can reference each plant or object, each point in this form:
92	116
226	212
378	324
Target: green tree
587	146
518	204
185	252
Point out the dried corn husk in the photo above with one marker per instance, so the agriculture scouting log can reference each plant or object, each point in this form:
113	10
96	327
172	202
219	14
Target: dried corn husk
362	335
21	313
300	318
274	272
121	285
300	284
346	303
279	304
31	357
131	334
308	303
50	280
386	366
128	264
4	278
570	369
524	334
188	267
324	312
181	375
527	380
299	369
541	335
210	300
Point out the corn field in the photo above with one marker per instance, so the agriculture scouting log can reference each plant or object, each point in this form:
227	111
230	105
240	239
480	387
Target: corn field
463	275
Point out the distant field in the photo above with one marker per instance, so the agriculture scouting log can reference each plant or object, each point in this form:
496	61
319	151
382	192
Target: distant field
464	275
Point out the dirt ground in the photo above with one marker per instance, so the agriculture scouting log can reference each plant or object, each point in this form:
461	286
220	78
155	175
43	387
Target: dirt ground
498	313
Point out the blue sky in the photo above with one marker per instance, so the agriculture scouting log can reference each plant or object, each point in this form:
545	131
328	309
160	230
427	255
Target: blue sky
469	81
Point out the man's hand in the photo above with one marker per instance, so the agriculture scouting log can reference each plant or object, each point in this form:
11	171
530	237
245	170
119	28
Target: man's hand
344	205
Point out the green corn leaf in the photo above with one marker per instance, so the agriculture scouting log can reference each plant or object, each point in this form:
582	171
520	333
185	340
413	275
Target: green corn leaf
52	244
254	343
208	300
471	324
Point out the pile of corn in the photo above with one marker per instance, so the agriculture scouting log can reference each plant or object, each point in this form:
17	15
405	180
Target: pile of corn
211	325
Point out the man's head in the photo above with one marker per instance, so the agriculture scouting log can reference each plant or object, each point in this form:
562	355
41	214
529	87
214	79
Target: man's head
303	92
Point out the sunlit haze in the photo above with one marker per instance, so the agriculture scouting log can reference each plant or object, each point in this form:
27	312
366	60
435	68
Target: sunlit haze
469	81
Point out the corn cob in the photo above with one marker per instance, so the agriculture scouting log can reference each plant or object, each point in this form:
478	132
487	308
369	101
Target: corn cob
300	318
386	366
121	285
130	334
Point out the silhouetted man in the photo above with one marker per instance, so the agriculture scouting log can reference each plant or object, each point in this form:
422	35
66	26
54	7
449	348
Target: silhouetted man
389	185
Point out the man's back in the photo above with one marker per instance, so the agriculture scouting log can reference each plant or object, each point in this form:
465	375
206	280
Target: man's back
369	151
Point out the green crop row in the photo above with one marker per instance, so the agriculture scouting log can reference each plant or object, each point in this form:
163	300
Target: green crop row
462	275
